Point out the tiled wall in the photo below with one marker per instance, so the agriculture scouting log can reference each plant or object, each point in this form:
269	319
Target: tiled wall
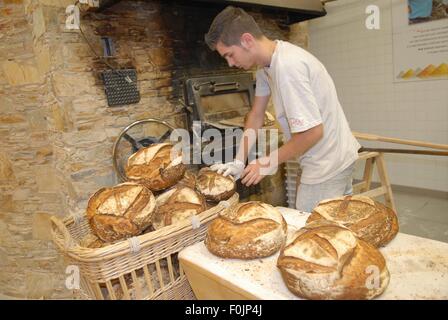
361	64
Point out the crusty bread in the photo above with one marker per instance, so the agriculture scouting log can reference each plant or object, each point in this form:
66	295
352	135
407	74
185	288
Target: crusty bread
247	231
214	186
189	179
176	205
121	211
369	219
324	260
156	166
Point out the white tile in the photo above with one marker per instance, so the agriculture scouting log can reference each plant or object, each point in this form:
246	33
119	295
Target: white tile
361	63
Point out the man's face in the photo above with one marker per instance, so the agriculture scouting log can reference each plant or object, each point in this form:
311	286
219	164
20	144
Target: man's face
235	55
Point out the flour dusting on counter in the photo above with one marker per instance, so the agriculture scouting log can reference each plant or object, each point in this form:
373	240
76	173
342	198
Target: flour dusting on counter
418	267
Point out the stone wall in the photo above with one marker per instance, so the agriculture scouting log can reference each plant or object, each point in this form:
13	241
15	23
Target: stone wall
28	182
57	130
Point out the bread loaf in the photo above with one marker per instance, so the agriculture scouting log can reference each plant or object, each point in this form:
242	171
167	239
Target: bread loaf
214	186
121	211
324	260
156	166
369	219
249	230
176	205
189	179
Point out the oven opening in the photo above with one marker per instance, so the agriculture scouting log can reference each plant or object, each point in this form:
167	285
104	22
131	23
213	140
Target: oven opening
226	108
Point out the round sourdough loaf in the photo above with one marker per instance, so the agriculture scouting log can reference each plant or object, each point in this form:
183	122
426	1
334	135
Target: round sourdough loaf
177	204
189	179
247	231
158	167
214	186
121	211
369	219
324	260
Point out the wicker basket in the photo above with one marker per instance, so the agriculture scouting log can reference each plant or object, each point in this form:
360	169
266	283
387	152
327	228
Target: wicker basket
143	267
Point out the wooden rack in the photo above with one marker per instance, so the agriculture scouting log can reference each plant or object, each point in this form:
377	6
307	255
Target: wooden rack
374	156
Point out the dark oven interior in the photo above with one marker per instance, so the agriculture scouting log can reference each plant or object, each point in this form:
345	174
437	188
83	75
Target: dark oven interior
220	102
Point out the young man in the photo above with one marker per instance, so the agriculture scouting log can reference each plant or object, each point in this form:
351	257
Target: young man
306	106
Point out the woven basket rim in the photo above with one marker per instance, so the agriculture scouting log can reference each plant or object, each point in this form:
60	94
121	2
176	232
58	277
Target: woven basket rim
84	254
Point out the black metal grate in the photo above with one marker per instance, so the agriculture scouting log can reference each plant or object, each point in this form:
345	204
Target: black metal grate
121	86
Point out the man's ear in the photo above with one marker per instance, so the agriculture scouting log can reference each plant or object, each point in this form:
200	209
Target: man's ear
247	40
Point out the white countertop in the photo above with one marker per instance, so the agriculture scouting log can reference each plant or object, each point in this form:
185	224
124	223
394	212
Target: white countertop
418	267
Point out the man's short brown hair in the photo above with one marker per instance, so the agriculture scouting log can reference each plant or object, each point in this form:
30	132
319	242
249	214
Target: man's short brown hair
229	25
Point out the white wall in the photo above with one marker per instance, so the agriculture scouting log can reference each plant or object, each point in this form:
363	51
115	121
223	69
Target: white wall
361	64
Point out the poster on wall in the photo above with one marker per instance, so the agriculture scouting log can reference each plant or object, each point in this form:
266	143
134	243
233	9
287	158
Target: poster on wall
420	38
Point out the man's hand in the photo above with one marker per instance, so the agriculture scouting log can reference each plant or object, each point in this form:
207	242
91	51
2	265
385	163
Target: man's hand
235	168
257	170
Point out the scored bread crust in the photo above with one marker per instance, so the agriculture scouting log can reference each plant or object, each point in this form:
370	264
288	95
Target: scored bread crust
214	186
121	211
154	167
188	180
325	260
177	204
370	220
249	230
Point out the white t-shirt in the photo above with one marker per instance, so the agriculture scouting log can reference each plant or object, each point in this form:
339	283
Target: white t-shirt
304	96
